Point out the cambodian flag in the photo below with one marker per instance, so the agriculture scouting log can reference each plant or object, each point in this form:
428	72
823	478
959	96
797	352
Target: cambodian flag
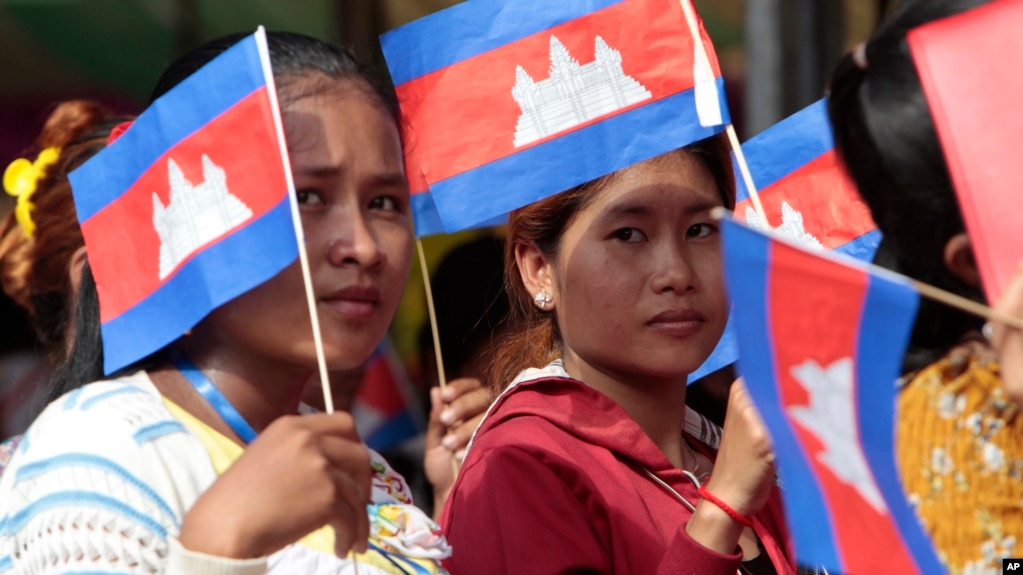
515	100
807	195
822	339
385	408
189	207
969	67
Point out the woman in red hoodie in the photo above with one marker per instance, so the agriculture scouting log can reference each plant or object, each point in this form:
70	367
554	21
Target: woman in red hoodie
580	466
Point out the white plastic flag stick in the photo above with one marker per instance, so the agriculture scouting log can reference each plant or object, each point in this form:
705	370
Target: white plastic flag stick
708	104
296	217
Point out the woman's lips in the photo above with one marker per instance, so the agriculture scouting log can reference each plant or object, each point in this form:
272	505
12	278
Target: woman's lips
356	302
677	323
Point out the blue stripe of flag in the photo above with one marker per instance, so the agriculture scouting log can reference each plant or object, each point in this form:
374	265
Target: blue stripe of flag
426	45
182	111
862	248
888	314
810	128
570	159
747	268
225	269
424	213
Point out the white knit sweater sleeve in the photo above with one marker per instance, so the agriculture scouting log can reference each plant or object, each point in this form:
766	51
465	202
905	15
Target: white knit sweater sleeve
101	483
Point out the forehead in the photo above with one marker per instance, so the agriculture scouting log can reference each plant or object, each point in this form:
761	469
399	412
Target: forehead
675	180
319	110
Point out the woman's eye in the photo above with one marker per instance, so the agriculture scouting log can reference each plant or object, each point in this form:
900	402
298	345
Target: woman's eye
308	197
700	231
387	203
629	235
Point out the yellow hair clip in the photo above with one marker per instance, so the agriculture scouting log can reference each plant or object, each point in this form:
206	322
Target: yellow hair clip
20	180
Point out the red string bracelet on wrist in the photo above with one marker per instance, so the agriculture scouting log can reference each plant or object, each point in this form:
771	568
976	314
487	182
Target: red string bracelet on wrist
725	507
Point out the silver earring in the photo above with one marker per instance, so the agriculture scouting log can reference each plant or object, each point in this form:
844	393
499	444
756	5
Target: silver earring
543	299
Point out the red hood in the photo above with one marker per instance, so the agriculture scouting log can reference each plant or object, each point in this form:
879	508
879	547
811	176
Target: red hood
580	411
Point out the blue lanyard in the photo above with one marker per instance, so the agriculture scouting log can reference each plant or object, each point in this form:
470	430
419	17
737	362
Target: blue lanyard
212	395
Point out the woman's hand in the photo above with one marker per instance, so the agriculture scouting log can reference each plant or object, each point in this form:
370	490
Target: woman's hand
1008	340
455	412
742	477
301	473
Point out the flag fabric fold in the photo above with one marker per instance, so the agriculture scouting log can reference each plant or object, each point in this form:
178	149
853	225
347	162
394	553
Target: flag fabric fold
188	208
821	340
969	70
514	101
807	196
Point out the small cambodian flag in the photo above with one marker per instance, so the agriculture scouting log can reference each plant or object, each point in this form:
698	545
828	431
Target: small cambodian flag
969	67
515	100
386	410
189	207
808	197
822	339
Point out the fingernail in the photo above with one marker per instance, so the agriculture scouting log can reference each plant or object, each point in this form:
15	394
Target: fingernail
450	442
447	416
460	455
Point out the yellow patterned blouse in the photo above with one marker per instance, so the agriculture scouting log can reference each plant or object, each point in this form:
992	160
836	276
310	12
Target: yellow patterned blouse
960	450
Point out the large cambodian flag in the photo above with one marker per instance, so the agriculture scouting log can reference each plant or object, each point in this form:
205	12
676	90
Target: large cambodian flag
189	207
512	101
822	339
807	195
969	68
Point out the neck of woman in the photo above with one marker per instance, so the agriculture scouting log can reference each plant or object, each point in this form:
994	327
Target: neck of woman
261	389
658	405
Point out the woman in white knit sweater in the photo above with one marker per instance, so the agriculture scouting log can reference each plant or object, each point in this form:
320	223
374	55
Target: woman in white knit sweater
194	460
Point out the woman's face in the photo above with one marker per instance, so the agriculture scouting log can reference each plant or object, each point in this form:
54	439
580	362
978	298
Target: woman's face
346	158
637	280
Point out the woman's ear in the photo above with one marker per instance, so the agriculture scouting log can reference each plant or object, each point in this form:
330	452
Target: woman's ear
75	267
537	275
959	259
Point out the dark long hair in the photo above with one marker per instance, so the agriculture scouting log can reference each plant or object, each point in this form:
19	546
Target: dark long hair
293	57
532	338
886	137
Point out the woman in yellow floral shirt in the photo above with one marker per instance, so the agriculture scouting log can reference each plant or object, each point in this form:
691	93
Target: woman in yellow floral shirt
960	436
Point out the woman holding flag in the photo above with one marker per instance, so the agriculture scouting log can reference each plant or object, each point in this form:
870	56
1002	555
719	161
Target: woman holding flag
960	437
191	459
617	295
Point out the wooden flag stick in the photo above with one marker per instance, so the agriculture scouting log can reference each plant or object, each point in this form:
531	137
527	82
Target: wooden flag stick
303	256
968	305
433	315
703	60
436	332
948	298
296	218
747	177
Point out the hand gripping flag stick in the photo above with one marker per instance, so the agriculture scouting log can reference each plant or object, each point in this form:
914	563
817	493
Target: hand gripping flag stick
441	377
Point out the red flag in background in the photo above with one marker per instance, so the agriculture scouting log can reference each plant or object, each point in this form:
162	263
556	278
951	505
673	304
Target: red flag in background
969	66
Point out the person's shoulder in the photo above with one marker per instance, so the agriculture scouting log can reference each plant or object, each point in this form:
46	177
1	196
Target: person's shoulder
111	420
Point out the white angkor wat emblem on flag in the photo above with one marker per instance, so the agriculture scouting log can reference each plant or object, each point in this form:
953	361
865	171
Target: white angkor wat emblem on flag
195	214
831	418
574	93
